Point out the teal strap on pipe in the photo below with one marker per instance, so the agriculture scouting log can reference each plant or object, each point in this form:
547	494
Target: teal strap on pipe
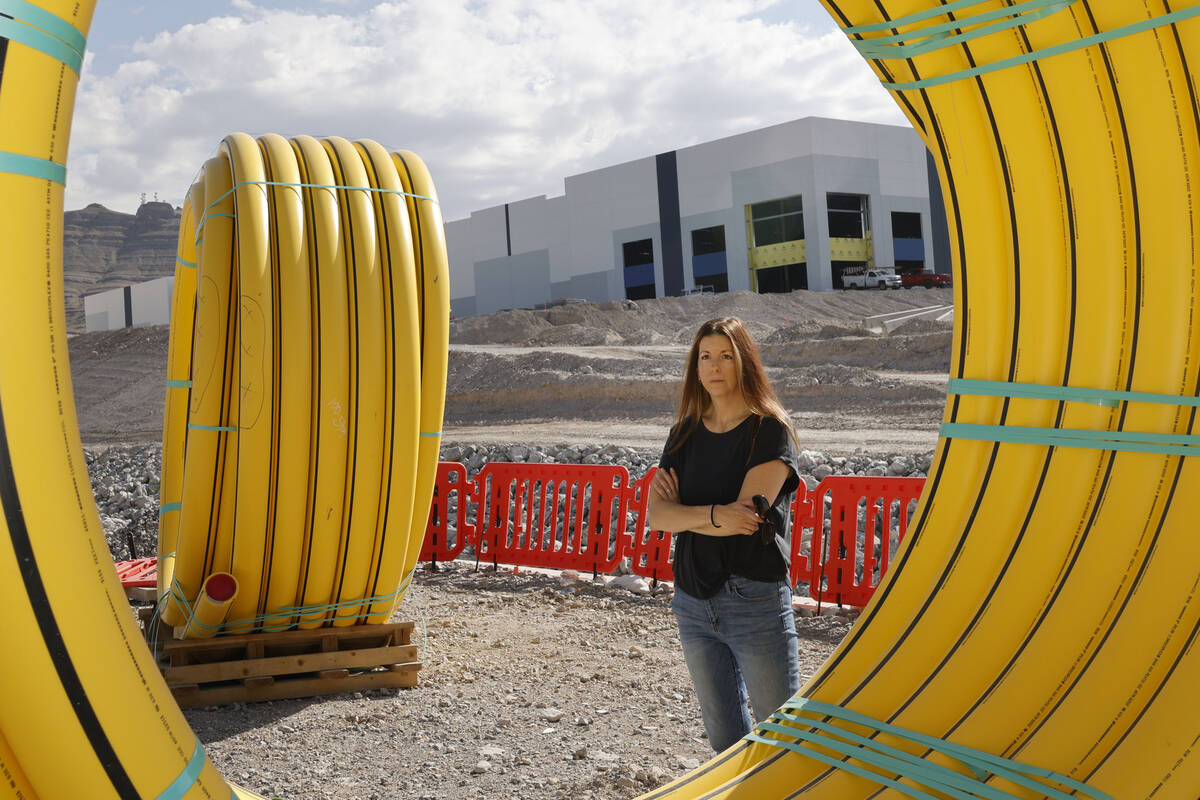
1036	55
911	19
191	773
28	34
169	507
182	263
204	219
237	186
423	433
44	169
1124	441
40	18
1040	391
915	43
174	384
905	765
217	428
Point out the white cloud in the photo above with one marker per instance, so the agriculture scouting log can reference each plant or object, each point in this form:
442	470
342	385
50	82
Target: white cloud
503	98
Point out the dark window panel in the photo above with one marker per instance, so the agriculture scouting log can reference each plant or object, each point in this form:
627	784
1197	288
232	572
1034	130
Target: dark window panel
770	208
906	225
718	283
793	228
639	252
768	231
843	225
708	240
783	279
772	280
797	276
844	202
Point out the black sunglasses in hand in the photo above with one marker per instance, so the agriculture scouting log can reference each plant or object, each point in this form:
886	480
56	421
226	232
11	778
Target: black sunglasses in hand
766	528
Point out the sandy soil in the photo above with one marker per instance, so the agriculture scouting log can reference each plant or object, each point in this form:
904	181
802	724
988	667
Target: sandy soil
609	373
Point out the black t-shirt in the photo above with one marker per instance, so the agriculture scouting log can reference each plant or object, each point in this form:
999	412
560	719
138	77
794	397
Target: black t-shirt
711	468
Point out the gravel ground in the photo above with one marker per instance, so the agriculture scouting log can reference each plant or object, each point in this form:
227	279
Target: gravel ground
533	686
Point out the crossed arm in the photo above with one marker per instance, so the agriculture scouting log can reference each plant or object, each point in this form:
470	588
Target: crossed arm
666	513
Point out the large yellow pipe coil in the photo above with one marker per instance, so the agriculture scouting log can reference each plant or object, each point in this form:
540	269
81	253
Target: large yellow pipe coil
1044	608
307	374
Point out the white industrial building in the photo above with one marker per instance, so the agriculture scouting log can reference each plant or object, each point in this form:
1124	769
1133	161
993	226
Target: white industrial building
146	303
777	209
782	208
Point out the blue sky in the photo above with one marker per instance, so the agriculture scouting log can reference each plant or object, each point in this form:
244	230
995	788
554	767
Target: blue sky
502	98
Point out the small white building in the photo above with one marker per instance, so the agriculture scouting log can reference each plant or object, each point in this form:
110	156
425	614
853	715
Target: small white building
146	303
773	210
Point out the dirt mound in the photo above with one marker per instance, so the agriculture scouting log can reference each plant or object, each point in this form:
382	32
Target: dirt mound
609	371
915	327
577	334
812	329
925	352
775	317
503	327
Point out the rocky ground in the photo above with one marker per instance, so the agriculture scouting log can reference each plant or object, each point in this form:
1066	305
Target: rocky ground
539	685
533	686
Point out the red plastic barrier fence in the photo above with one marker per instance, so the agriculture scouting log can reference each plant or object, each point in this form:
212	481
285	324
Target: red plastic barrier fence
564	516
570	516
650	549
846	526
138	572
440	544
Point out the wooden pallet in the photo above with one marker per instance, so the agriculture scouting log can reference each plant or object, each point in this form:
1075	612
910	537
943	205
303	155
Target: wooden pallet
255	667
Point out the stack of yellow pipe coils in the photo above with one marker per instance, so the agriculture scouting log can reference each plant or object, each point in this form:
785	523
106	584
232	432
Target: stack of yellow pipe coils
306	382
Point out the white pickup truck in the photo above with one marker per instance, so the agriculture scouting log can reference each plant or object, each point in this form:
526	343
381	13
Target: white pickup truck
871	279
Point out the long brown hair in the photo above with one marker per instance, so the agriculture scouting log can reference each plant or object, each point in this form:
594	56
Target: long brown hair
694	399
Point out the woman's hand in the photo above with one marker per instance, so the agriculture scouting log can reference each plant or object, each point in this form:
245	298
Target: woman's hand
736	519
665	485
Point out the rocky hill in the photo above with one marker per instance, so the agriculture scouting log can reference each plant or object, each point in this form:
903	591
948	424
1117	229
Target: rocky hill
104	249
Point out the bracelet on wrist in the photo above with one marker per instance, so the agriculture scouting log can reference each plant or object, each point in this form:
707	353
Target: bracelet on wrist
712	515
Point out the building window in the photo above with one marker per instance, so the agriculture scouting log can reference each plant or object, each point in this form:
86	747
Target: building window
908	247
639	270
776	221
906	225
708	240
782	279
847	216
709	265
639	252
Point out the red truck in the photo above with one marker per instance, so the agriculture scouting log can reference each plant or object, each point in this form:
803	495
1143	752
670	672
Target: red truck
929	280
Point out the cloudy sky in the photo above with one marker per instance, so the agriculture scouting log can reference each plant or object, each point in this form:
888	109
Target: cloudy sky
502	98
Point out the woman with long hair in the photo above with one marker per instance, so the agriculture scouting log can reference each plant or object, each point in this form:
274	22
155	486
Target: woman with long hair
731	441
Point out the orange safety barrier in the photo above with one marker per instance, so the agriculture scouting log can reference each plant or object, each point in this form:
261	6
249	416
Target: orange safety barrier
138	572
564	516
570	516
440	544
846	525
650	549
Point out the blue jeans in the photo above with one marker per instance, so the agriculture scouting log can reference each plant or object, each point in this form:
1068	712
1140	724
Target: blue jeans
742	639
